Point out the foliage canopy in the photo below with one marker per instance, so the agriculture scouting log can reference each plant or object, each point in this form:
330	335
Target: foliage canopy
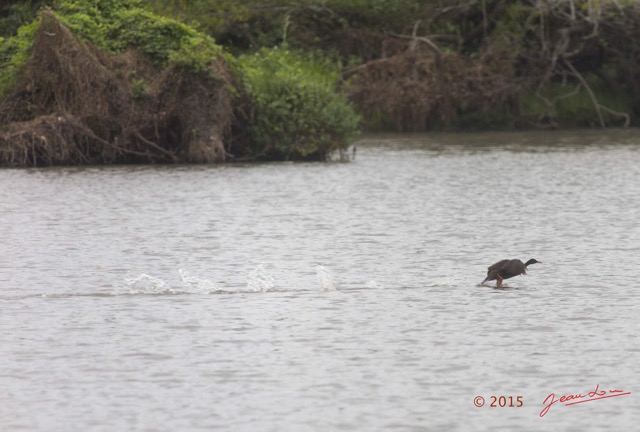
297	112
569	63
294	109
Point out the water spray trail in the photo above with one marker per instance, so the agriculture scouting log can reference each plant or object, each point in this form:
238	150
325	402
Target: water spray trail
194	284
260	280
325	278
146	284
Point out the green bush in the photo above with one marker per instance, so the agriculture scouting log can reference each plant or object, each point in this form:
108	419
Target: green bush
14	53
243	26
297	111
116	25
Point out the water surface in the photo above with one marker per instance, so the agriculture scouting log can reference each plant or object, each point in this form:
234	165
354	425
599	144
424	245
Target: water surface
338	296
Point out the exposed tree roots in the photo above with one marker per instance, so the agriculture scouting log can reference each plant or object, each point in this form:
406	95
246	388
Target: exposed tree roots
76	105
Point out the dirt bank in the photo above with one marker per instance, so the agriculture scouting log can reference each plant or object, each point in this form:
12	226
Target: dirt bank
76	105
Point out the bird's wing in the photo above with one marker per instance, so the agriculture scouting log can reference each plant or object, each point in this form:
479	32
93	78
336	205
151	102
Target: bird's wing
498	266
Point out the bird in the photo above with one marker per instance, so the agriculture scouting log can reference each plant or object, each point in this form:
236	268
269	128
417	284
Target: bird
506	269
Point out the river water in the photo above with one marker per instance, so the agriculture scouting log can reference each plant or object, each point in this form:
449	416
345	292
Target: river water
342	296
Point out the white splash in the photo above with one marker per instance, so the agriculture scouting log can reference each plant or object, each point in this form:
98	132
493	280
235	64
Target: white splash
196	285
260	280
146	284
325	278
372	284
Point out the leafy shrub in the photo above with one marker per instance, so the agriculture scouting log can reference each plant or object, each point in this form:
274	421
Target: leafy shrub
115	25
297	111
14	52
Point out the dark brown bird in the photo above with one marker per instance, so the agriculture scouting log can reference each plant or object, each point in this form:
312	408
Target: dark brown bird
506	269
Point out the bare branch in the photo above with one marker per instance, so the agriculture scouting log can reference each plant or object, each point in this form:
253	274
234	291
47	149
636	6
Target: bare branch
424	39
592	95
627	118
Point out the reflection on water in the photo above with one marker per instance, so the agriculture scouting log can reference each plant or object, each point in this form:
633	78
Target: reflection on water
340	296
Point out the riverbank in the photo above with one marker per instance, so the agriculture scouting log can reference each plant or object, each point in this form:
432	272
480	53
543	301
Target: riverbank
238	88
115	83
417	65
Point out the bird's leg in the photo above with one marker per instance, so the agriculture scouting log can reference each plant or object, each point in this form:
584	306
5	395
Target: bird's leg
498	282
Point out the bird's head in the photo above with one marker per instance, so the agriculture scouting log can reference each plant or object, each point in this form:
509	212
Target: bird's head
532	261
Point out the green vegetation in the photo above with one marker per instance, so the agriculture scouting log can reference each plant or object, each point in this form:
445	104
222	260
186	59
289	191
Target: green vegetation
14	52
16	13
540	46
288	105
18	25
297	112
411	65
249	25
117	25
